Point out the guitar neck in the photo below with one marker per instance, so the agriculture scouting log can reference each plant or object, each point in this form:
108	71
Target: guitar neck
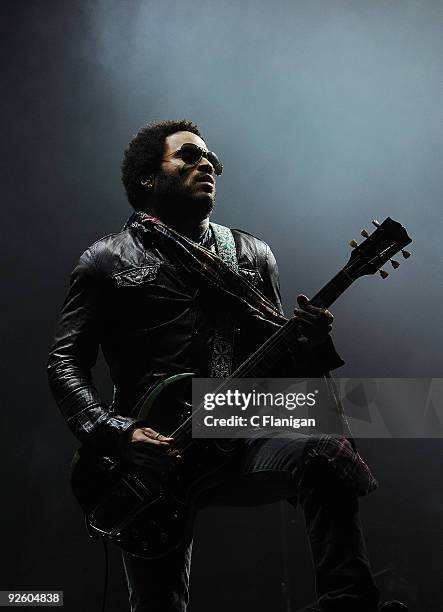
332	290
387	240
280	345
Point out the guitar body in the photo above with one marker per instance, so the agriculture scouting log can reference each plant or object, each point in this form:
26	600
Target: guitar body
150	512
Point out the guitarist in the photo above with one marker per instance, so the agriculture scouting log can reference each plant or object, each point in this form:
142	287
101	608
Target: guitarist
129	295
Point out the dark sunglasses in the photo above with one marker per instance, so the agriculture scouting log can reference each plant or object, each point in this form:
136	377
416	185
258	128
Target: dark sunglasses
191	154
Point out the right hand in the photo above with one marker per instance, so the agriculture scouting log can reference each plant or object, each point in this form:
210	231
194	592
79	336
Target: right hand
148	448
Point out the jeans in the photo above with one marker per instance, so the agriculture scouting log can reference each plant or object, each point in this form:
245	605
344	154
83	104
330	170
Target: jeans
266	470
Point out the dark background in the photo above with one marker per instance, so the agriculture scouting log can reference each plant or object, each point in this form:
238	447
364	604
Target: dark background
327	114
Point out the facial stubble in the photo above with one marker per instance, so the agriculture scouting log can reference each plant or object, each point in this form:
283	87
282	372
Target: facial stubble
174	200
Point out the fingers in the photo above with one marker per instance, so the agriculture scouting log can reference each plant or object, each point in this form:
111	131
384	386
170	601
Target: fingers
146	435
309	317
306	307
307	321
151	449
312	322
302	300
154	435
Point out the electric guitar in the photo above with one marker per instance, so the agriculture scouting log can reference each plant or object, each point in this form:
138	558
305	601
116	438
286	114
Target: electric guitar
150	511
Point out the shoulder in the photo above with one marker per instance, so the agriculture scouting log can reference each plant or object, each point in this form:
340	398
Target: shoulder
252	249
246	241
255	253
105	254
248	238
109	243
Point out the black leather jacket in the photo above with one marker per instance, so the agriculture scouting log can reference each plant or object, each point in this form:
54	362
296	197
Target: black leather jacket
128	297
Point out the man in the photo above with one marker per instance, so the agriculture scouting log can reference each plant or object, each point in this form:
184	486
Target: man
130	295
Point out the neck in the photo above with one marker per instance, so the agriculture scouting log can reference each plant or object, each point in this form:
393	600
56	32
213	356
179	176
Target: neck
193	228
188	227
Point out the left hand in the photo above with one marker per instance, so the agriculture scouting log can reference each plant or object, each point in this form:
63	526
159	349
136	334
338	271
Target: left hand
315	324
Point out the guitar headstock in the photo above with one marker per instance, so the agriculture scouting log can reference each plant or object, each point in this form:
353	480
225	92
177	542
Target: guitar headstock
387	240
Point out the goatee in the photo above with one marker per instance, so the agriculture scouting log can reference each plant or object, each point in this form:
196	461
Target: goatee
176	202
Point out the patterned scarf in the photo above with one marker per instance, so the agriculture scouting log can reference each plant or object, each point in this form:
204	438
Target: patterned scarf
245	300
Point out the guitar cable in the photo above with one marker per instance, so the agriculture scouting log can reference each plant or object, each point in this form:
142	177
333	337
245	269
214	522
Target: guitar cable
105	584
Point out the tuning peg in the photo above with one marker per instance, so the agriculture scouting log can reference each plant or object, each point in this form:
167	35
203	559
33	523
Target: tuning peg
364	233
376	223
383	273
394	263
353	244
405	254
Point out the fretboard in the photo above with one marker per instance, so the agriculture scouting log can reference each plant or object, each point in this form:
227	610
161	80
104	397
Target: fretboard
282	343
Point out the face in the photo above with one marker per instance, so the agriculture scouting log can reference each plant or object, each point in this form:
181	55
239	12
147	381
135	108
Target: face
181	188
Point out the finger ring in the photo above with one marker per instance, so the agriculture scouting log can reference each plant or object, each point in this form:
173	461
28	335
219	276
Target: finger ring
157	436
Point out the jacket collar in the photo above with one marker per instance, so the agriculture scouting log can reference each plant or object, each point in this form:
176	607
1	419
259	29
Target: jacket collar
134	221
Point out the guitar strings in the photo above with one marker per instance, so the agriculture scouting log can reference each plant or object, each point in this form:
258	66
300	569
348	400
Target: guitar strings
248	365
182	432
240	372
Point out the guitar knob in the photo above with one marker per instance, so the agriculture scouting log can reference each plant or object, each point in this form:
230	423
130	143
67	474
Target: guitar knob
353	244
376	223
364	233
383	273
394	263
405	254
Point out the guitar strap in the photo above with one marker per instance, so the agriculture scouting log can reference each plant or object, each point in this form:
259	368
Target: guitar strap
223	345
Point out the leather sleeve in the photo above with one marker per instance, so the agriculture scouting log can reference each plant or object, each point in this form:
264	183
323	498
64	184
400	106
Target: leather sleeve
302	360
71	358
